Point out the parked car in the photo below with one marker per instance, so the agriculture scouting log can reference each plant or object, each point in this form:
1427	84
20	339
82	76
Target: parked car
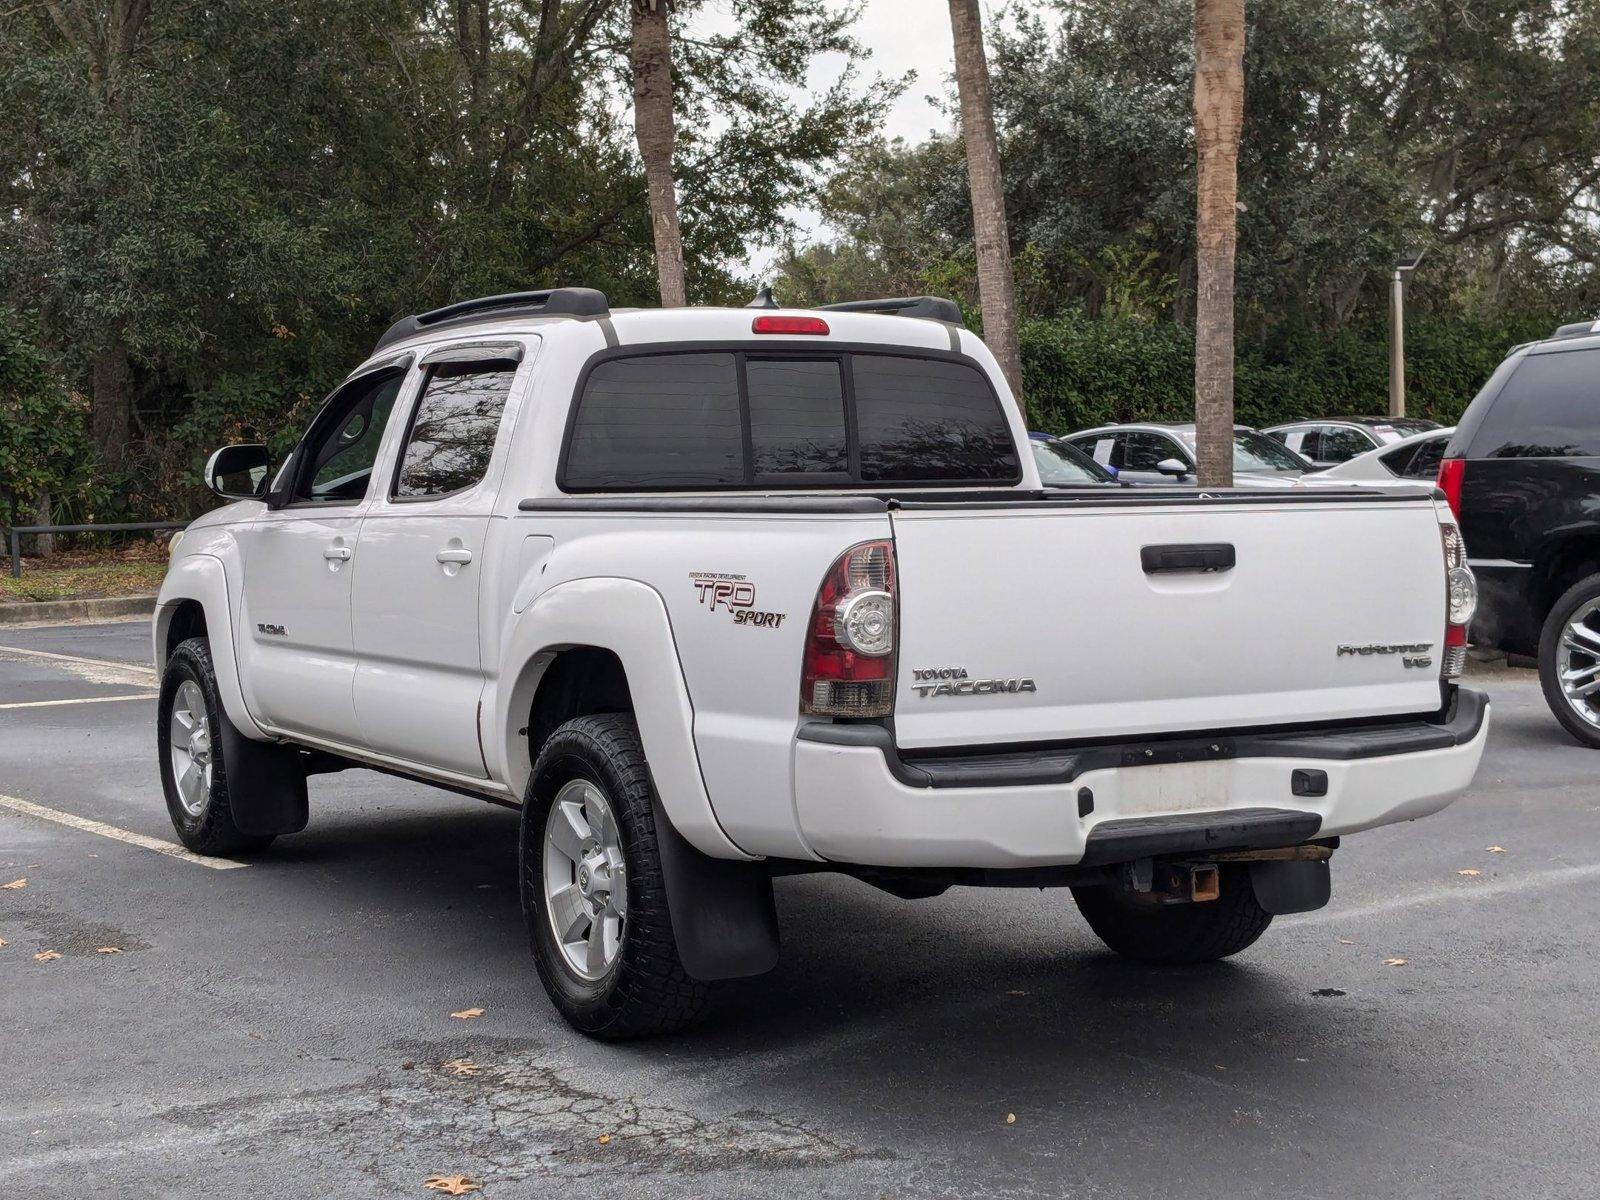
1523	475
1062	464
1156	453
1415	459
1328	443
718	595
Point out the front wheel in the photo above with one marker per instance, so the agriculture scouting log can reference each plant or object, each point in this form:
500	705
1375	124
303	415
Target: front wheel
189	721
1569	661
1140	927
592	888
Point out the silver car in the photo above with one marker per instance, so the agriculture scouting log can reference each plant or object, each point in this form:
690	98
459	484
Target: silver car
1158	453
1336	440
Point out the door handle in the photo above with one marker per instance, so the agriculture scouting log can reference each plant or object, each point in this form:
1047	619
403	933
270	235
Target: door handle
460	557
336	553
1204	557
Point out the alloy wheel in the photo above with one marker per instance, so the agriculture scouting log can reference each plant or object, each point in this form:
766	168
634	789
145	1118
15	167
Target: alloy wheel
189	738
585	878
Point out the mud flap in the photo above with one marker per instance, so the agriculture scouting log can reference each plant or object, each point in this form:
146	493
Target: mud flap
723	916
1291	887
266	784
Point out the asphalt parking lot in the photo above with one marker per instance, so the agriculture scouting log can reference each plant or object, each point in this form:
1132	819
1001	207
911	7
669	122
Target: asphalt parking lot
285	1028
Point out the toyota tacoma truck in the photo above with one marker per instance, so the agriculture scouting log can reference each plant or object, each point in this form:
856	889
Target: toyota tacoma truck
714	596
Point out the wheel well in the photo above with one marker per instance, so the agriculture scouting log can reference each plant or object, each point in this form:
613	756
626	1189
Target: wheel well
1562	565
188	620
581	681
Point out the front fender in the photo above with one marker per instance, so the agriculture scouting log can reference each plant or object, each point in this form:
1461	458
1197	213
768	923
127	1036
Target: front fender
203	578
630	619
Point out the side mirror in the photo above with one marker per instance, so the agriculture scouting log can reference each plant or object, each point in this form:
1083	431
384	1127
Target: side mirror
1175	467
239	472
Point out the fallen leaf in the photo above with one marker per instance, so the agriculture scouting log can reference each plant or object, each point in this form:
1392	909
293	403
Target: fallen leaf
467	1014
1469	871
108	949
604	1139
46	956
408	1065
463	1068
1011	1118
1394	962
1017	992
14	885
1218	1067
2	941
1347	941
1495	849
452	1185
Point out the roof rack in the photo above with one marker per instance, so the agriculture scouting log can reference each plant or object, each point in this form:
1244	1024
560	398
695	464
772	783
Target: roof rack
551	302
1578	329
934	308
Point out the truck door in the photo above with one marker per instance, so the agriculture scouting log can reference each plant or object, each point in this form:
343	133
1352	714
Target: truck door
416	589
296	656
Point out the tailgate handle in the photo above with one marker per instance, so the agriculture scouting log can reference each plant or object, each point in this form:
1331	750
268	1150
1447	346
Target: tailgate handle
1204	557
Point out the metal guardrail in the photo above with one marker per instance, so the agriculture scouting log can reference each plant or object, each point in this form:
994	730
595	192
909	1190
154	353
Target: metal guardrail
18	530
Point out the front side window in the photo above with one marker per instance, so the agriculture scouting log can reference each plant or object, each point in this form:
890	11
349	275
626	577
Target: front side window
1147	451
453	430
343	444
747	419
1341	444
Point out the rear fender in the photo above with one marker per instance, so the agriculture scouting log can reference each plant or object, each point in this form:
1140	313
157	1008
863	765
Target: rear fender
629	619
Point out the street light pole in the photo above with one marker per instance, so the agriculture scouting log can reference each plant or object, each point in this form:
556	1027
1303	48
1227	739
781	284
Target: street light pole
1397	332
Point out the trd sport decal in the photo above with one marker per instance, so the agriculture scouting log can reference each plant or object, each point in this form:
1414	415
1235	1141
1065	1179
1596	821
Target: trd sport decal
735	594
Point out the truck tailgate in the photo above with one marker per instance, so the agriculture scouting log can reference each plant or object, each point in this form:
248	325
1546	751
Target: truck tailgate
1041	622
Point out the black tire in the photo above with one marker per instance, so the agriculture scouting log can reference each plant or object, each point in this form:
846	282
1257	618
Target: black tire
645	990
1550	653
1176	934
211	830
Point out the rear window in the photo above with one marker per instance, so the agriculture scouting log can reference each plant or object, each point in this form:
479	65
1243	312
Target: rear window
1548	408
743	419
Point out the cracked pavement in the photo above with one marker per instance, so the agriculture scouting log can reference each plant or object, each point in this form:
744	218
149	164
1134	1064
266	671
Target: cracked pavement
283	1029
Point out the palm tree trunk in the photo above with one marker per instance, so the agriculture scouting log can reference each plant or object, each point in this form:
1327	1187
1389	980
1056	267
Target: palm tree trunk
1218	118
997	291
651	59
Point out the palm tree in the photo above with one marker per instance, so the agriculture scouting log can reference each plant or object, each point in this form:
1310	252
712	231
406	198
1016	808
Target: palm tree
997	291
1218	118
650	55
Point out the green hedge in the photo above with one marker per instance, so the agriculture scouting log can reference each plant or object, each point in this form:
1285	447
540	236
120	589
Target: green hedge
1079	371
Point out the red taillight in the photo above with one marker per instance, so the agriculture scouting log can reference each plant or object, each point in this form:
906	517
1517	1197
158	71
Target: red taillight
781	324
850	660
1451	473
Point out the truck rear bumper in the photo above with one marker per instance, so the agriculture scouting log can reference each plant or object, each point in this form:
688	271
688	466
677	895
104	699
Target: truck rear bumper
859	801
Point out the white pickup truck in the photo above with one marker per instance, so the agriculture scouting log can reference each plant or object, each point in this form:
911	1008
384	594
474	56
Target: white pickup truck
718	595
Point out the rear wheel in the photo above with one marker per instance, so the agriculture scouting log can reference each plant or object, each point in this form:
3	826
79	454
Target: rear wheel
1569	661
1136	925
592	889
194	776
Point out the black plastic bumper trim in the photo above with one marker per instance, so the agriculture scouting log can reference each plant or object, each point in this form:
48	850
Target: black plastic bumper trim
1459	722
1197	833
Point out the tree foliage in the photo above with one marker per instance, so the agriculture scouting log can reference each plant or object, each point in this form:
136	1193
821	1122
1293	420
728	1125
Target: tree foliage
235	199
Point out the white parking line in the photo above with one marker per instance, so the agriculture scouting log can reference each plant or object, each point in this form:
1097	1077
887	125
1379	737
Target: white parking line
72	821
81	700
107	663
1451	894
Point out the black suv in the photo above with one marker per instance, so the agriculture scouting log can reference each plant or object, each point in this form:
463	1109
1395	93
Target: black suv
1523	476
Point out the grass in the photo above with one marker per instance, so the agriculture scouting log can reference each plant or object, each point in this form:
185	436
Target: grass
84	575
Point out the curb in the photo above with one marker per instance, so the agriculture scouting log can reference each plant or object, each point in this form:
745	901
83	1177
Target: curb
46	611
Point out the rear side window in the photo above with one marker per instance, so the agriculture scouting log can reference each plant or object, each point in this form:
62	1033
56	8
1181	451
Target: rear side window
1548	408
453	430
755	419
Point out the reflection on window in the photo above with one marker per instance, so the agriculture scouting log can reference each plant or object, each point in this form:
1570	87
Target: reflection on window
796	416
929	420
453	433
343	458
